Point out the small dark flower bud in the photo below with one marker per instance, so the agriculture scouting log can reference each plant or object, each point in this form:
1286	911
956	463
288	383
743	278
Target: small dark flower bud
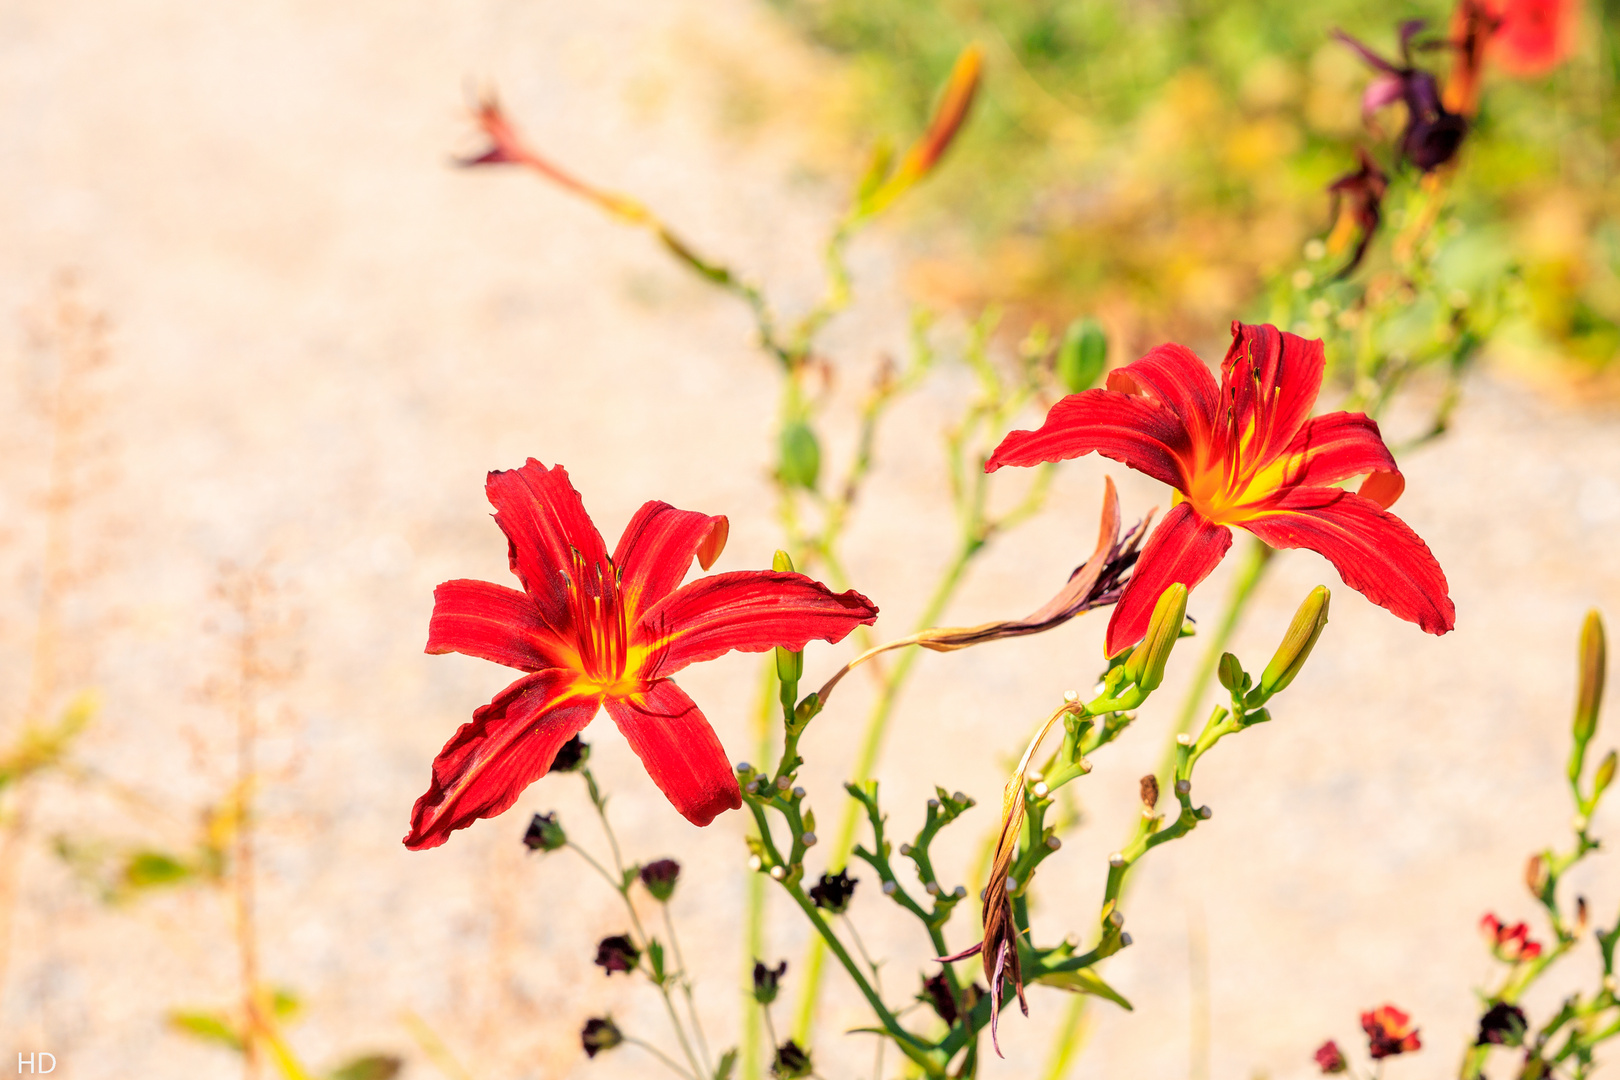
1502	1025
573	753
600	1033
545	833
833	891
1150	791
936	992
767	981
791	1062
660	877
617	953
1330	1059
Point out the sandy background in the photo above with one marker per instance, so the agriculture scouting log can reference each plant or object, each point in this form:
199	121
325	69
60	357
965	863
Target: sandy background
322	338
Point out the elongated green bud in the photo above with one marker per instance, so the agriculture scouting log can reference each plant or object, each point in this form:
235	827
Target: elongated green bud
1604	776
1146	665
789	664
800	451
1082	356
1594	664
1297	643
1231	673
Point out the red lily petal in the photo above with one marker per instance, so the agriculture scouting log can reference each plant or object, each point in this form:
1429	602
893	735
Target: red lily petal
1174	376
750	610
1273	377
657	548
491	622
1143	434
1341	445
680	750
509	744
1185	548
547	530
1375	552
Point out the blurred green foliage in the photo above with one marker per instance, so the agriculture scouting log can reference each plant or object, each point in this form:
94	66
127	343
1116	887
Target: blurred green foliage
1157	162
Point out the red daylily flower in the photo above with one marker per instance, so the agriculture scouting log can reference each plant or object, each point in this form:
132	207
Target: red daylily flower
1244	453
1509	944
597	631
1389	1032
1524	37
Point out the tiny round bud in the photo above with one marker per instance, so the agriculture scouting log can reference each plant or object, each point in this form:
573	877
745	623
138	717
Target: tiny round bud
777	873
1012	883
961	798
1578	823
905	849
889	888
1124	941
798	793
1184	739
1036	776
959	892
1116	859
755	862
1116	918
933	804
932	888
1053	843
1315	249
1071	696
1205	813
1041	790
781	783
752	786
1183	787
981	893
809	839
744	767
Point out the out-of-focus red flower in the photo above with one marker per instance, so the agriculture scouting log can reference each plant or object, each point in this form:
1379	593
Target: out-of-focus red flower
1358	200
1330	1059
1389	1032
1523	37
597	631
1509	943
1245	453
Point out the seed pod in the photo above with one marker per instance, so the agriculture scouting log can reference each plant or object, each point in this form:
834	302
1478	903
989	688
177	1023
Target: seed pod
1150	791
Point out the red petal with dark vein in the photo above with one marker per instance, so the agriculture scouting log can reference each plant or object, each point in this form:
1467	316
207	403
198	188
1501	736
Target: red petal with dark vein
680	750
657	549
748	610
545	524
509	744
1341	445
1174	376
1272	378
1184	548
1373	550
1143	434
491	622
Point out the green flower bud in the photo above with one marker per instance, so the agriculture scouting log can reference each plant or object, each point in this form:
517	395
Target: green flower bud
1594	664
1146	665
800	456
1082	356
1231	673
767	981
789	664
791	1062
1297	643
1604	776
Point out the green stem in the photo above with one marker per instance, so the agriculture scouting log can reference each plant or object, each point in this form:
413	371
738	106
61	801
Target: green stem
670	1062
1248	579
754	919
871	743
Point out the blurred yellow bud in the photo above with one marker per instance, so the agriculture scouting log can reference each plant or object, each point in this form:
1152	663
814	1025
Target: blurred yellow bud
1594	664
